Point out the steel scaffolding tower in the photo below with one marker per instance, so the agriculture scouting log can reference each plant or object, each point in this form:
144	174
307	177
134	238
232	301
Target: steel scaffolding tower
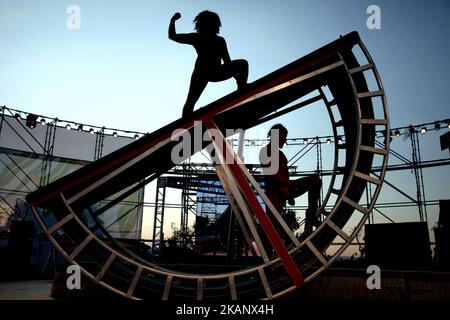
158	221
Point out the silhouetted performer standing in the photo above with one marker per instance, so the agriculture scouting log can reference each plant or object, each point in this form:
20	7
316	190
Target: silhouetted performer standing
211	50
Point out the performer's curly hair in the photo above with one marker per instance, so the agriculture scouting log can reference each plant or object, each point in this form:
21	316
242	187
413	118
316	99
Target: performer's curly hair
279	127
207	22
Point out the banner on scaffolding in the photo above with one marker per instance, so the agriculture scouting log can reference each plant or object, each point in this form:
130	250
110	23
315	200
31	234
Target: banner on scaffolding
22	172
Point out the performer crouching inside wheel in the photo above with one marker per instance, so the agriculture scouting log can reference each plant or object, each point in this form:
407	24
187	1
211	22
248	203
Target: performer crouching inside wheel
279	188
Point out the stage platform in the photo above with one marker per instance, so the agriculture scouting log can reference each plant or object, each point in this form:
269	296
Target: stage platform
26	290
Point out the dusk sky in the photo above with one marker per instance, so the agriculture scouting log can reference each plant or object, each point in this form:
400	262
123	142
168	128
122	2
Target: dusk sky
120	70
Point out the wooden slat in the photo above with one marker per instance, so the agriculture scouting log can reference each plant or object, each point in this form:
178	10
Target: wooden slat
381	122
59	224
81	246
355	205
373	150
370	94
362	68
167	286
338	230
106	266
265	283
232	284
367	178
135	280
200	289
316	252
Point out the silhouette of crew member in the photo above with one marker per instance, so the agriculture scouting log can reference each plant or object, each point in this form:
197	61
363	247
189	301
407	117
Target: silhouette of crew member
211	50
279	188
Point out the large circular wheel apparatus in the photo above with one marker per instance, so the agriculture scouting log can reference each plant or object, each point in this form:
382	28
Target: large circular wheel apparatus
356	113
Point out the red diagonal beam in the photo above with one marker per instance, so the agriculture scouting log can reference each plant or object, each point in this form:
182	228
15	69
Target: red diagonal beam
251	199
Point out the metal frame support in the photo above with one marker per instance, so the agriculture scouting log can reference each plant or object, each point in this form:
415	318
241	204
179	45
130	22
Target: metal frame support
158	221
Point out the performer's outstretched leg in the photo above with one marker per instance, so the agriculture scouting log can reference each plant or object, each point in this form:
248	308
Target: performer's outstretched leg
198	84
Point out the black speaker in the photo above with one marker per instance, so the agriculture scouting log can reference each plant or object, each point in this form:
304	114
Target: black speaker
19	249
442	250
444	214
442	236
445	141
398	245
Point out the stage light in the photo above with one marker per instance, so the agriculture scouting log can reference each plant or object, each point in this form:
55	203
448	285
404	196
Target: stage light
423	130
115	134
437	126
305	141
397	133
328	141
136	137
448	125
339	140
68	127
18	117
91	131
80	127
31	121
43	122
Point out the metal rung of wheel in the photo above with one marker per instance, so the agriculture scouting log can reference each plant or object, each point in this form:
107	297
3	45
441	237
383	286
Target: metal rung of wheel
126	275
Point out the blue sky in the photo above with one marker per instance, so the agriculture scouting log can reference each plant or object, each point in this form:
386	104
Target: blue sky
120	70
